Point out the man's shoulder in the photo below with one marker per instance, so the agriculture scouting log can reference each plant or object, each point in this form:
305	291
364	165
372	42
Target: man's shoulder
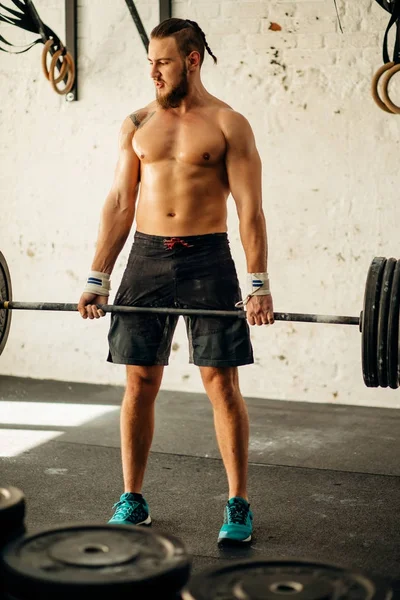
230	119
226	116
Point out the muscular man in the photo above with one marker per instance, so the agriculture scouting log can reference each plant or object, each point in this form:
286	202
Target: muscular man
186	151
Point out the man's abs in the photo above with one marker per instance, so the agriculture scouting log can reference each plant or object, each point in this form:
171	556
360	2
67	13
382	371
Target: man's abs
178	203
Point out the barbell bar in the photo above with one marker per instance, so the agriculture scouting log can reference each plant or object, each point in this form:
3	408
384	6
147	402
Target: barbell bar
241	314
378	321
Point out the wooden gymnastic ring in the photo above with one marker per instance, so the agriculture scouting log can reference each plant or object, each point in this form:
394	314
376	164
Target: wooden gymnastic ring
46	48
374	87
385	93
64	66
63	70
71	73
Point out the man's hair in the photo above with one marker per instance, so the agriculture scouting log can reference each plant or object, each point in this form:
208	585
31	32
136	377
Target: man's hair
187	34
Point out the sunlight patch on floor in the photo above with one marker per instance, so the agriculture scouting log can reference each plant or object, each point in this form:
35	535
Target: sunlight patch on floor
47	414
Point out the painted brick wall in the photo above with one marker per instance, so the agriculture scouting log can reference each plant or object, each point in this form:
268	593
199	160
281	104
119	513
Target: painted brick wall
330	182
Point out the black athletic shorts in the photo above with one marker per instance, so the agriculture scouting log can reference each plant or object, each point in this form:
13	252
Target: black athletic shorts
189	272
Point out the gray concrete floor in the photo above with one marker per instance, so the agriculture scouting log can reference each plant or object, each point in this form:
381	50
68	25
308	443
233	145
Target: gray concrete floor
323	479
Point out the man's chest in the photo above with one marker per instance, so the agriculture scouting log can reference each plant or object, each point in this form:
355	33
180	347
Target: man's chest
191	140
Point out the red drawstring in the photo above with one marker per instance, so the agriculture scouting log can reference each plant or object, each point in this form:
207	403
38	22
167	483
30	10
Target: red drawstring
171	243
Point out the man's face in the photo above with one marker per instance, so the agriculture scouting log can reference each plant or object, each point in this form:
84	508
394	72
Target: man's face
168	71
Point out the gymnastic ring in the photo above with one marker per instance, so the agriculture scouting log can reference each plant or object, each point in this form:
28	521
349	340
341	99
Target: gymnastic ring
71	72
374	86
64	65
46	48
63	70
385	93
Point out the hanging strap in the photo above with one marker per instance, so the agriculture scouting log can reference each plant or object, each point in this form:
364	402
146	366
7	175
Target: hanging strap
2	40
26	18
392	6
138	22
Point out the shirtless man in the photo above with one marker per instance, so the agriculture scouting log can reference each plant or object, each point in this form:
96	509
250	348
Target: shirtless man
187	151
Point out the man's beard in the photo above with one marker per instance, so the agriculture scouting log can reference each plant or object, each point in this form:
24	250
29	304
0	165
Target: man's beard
176	95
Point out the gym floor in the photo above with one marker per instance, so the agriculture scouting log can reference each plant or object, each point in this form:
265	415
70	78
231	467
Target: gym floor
323	479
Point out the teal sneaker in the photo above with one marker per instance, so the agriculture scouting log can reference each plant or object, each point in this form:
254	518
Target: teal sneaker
238	522
132	509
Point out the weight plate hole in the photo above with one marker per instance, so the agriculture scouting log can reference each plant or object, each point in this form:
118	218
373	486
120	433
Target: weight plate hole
286	587
95	549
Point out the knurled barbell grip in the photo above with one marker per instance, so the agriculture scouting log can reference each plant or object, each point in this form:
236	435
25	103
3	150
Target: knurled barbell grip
313	318
109	308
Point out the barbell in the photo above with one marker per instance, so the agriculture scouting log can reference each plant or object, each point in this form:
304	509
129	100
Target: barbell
378	321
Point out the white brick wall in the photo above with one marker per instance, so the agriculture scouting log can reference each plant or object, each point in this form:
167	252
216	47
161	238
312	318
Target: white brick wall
330	183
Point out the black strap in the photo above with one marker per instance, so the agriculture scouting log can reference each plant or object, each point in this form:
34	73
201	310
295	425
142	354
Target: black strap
28	21
392	6
386	4
138	22
20	51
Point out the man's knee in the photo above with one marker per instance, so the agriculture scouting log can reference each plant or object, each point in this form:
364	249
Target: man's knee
139	377
221	380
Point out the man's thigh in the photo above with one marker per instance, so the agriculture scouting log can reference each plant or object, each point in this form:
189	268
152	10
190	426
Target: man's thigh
137	338
216	341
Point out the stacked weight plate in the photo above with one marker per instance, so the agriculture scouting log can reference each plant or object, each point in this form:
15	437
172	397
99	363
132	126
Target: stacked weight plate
380	324
283	580
5	294
94	562
12	514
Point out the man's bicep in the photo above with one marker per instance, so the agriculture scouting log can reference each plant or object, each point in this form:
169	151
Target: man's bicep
243	165
126	175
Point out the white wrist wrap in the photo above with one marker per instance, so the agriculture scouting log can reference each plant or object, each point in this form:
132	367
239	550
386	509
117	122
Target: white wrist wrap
98	283
258	285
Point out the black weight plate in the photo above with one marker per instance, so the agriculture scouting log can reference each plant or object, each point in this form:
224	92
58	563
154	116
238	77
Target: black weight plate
392	358
12	513
5	294
85	561
282	580
369	335
383	316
